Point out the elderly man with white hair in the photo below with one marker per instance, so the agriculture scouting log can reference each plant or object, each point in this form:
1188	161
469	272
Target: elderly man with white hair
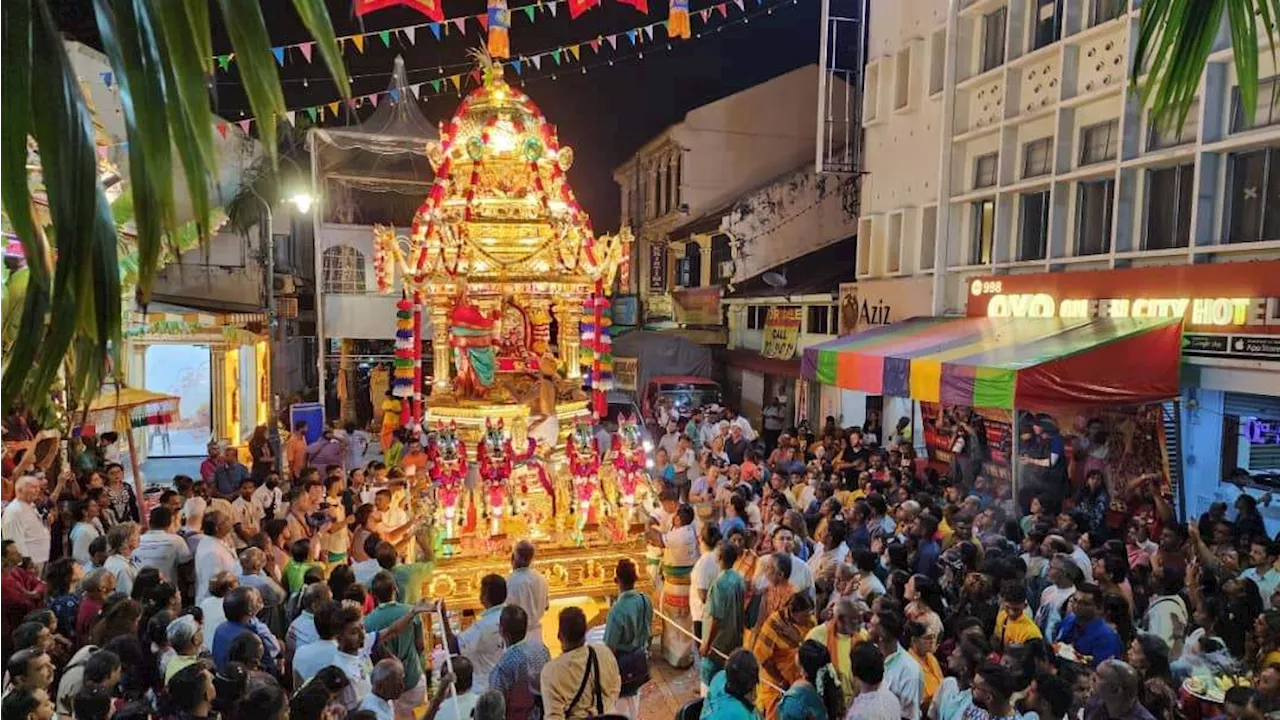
23	524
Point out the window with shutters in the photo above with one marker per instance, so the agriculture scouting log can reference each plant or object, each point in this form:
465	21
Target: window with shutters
1098	142
1037	158
984	170
1169	207
993	38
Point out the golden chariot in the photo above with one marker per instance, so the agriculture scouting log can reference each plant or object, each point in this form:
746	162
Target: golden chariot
502	265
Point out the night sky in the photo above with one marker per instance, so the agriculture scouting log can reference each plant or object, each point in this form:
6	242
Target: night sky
605	114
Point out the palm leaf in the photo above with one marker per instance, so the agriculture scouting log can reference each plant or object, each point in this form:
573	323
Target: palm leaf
15	126
64	130
1175	39
315	16
248	33
129	39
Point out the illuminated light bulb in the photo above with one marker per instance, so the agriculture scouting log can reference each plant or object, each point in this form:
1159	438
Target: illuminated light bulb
641	56
610	62
502	138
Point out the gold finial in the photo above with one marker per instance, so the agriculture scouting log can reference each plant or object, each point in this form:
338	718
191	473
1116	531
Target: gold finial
489	69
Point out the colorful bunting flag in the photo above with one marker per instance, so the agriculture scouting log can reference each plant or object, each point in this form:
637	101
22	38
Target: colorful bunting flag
410	34
395	94
739	4
720	8
373	98
555	55
222	130
435	30
457	82
311	112
595	45
517	65
279	53
435	86
385	37
551	7
641	5
631	35
647	30
461	24
573	50
333	108
306	50
224	61
577	7
612	40
244	126
430	8
528	11
537	62
291	116
359	42
705	13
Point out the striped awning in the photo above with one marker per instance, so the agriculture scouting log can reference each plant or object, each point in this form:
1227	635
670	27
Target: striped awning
1007	362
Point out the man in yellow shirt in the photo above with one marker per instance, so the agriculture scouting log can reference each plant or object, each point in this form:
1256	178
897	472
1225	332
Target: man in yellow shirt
1013	625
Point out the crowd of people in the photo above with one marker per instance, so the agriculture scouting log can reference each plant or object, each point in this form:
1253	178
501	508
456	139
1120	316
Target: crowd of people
806	574
831	574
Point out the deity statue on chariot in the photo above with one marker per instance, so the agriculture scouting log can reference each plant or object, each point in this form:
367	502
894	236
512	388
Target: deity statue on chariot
502	268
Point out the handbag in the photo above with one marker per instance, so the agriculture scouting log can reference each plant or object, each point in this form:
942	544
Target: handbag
633	667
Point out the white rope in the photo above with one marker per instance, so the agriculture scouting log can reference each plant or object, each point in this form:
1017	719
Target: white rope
715	650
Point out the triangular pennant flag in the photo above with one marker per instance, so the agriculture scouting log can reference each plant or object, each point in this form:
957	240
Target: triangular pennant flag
395	94
705	13
108	78
291	115
244	126
517	65
410	34
279	53
739	4
595	45
631	35
385	37
222	130
612	40
528	11
574	51
435	85
551	8
457	81
641	5
720	8
352	102
373	98
484	21
648	31
311	112
435	30
306	50
537	61
224	61
555	55
333	108
359	41
461	24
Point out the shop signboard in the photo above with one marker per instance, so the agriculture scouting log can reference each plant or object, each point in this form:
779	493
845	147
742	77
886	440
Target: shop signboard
624	373
871	303
700	306
1229	309
781	332
657	267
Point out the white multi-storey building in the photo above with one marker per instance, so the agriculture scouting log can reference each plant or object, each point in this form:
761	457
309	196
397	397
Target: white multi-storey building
1003	143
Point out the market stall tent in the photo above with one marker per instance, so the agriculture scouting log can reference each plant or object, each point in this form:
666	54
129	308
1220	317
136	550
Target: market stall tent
1007	363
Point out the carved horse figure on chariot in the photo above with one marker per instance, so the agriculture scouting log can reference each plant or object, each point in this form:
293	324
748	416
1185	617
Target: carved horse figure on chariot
497	460
448	455
583	455
630	465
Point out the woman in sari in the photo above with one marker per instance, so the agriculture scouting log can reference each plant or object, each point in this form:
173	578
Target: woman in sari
777	592
776	646
816	695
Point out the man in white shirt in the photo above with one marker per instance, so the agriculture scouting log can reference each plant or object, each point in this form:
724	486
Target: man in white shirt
160	548
671	440
874	700
214	553
122	540
902	674
211	607
528	589
734	419
801	577
246	515
270	498
387	679
302	631
354	646
366	569
482	642
705	572
22	523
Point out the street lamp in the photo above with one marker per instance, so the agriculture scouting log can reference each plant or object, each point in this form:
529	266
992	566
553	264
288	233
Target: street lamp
302	200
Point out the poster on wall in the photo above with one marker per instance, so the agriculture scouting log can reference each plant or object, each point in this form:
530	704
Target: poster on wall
781	333
947	437
848	307
1124	444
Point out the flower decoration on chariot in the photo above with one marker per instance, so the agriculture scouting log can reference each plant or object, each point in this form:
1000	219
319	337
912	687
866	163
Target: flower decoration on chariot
583	435
495	437
629	433
447	443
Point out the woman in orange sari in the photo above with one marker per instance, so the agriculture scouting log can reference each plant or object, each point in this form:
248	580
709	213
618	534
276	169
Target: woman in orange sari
776	648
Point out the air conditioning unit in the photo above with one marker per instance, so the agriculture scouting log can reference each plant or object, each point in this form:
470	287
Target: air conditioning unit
286	285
